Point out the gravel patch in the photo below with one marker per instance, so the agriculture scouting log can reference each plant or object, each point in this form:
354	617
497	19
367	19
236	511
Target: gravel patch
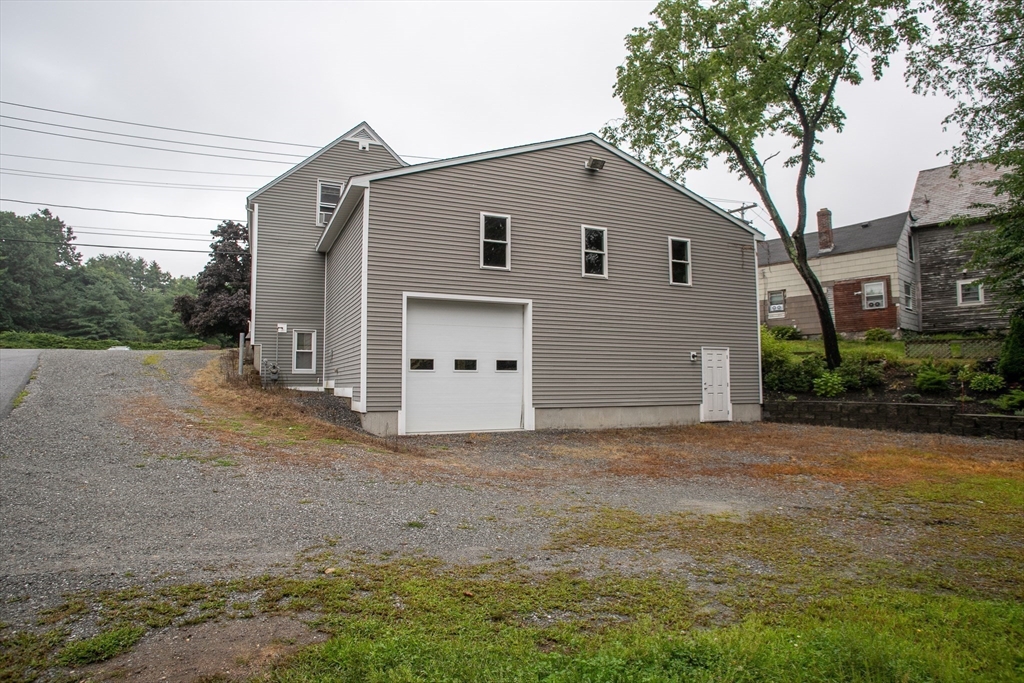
99	489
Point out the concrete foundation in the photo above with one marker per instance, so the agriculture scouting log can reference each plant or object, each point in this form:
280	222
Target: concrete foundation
746	412
381	424
617	417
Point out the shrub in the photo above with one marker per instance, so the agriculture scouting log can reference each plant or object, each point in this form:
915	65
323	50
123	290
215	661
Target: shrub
829	384
983	381
781	371
860	373
1011	359
785	332
1012	402
931	380
911	398
877	334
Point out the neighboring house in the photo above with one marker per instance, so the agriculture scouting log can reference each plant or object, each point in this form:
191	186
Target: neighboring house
865	268
556	285
952	298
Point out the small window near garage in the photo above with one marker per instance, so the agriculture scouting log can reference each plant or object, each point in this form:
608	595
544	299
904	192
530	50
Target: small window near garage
327	195
908	296
495	242
874	295
304	351
465	364
421	363
679	260
777	304
595	252
969	293
506	365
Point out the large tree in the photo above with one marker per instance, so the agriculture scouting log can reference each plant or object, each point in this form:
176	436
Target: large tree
221	307
975	54
730	78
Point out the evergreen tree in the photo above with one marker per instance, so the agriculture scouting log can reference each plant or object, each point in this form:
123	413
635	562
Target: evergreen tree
221	307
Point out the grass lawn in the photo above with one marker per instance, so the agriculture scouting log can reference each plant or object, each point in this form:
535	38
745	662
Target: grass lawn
890	351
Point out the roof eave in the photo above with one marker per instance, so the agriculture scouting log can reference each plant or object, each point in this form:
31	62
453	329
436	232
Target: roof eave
349	201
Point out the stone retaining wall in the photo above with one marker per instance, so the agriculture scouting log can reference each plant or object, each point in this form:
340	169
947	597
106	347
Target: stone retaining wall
902	417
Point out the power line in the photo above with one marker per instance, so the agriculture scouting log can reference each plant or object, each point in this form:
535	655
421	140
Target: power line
142	230
141	168
149	125
129	144
133	213
143	137
145	237
119	181
114	246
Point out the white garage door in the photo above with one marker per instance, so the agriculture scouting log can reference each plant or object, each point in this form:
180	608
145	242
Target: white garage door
464	366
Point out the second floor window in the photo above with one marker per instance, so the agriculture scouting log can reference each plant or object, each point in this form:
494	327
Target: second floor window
495	244
328	196
595	252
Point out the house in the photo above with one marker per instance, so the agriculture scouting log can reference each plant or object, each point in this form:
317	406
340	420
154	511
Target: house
866	269
952	299
561	284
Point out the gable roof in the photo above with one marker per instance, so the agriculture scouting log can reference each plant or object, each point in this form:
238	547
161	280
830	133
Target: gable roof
938	196
356	183
362	132
874	234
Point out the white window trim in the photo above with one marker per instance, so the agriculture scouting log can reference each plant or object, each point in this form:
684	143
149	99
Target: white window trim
508	240
911	249
864	295
475	360
411	369
913	294
959	293
295	351
688	262
583	251
320	182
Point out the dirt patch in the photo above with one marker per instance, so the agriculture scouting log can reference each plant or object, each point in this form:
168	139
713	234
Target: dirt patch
232	650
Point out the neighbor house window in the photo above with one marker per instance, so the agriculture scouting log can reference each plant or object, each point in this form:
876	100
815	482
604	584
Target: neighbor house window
304	352
679	260
777	304
908	296
874	295
911	251
327	197
495	251
969	293
595	252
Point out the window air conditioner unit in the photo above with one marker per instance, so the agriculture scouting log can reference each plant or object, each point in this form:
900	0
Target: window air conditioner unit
325	217
775	308
875	304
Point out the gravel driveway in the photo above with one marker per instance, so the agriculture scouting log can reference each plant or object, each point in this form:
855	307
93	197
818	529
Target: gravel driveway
97	492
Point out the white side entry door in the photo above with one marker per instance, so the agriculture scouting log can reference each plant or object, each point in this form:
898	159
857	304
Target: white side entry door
717	403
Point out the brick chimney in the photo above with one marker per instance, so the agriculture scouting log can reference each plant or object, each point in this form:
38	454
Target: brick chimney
825	243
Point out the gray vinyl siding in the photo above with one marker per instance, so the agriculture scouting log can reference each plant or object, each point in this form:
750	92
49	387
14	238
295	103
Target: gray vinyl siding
290	272
344	291
907	272
624	341
942	263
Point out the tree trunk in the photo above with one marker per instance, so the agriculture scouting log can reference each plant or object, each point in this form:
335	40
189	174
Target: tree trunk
828	326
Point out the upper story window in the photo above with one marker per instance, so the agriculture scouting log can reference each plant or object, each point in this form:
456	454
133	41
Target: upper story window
969	293
679	260
874	295
595	251
911	248
327	197
495	241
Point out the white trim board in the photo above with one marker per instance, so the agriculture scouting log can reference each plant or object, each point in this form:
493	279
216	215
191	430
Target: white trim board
529	414
316	155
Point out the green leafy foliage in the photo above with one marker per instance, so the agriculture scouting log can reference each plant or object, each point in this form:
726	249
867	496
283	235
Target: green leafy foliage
1011	360
877	334
1012	402
829	385
858	372
986	382
221	306
782	371
785	332
931	380
41	340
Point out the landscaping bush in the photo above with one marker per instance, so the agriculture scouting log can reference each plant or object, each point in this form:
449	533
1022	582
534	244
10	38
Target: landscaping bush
931	380
34	340
1011	359
860	373
829	384
983	381
785	332
781	371
1012	402
877	334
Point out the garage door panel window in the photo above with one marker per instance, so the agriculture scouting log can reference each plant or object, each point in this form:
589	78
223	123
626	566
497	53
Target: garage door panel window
595	252
495	241
506	365
465	365
421	364
304	351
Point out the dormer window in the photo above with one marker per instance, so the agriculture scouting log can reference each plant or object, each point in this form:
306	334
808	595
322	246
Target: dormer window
328	195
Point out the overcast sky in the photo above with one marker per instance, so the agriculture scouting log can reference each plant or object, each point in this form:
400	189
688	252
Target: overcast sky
433	79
